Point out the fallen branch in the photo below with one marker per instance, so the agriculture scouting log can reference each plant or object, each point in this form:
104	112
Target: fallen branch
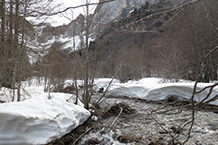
121	110
161	126
81	136
98	102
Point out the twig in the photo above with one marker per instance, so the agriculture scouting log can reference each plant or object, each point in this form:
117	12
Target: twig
81	136
173	137
211	86
75	7
161	13
57	116
193	105
171	19
121	110
210	92
69	98
98	102
196	92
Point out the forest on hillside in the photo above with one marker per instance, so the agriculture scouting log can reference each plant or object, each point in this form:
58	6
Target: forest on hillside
172	46
175	51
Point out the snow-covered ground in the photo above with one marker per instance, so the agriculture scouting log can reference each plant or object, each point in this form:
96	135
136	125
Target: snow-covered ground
38	120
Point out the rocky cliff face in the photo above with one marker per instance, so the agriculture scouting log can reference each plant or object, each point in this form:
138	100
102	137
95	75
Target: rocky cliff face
117	9
103	14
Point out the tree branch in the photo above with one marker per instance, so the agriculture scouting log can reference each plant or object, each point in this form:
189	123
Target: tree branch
161	12
75	7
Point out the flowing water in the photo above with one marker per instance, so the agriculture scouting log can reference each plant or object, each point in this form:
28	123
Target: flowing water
147	126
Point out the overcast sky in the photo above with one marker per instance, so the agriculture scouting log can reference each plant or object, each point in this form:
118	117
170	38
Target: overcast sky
67	17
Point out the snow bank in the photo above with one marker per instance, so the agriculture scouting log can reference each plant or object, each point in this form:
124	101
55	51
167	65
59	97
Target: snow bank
182	91
39	120
154	89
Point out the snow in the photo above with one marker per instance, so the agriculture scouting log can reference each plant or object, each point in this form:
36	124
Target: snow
38	120
155	89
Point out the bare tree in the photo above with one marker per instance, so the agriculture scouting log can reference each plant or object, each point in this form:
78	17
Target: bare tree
16	35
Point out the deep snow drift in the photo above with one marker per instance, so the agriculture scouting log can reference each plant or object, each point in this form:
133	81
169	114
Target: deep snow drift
39	120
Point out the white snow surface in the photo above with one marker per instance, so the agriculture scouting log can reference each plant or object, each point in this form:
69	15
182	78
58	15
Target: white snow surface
155	89
39	120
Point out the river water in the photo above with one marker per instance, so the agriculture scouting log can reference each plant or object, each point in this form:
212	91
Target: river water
147	126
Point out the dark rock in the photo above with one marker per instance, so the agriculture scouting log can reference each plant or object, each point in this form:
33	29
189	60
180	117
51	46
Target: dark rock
101	90
175	129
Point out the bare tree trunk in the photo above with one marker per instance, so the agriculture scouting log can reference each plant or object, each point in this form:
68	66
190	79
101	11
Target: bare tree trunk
75	75
10	41
15	42
2	37
21	49
86	89
2	9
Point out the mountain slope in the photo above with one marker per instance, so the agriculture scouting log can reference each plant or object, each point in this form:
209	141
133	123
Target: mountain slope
172	52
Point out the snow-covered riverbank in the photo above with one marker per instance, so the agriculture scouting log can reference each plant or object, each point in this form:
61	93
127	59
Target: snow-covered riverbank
38	120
